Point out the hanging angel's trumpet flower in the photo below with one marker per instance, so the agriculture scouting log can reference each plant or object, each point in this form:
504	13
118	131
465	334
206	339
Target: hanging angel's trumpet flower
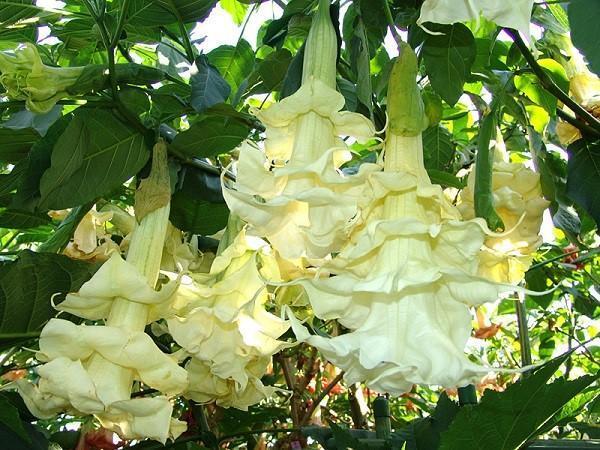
222	323
91	369
404	282
513	14
25	77
584	85
293	193
518	201
90	240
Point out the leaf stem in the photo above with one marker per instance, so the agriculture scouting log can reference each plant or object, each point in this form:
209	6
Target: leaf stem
549	84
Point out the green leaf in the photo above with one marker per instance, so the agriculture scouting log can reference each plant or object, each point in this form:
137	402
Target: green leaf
445	179
584	18
197	216
506	420
537	281
438	149
208	86
210	136
234	63
360	63
164	12
37	162
39	122
583	176
96	154
26	289
13	11
236	10
15	143
448	59
9	416
14	218
427	432
273	69
293	76
530	85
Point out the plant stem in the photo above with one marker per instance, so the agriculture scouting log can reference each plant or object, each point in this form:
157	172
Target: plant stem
324	393
120	24
549	84
523	333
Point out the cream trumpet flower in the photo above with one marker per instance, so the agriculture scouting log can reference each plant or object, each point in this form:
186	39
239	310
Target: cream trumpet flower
404	282
293	193
90	369
226	329
584	85
513	14
517	199
90	241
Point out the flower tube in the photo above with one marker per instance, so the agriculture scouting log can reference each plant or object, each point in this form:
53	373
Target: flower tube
91	369
293	193
403	284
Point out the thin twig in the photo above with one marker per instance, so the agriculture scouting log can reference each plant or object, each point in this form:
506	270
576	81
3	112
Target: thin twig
324	393
550	85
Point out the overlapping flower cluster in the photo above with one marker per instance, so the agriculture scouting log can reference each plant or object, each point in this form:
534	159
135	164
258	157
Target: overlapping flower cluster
219	319
404	265
389	258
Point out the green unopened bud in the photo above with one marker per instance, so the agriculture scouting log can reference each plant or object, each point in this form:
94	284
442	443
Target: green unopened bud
406	110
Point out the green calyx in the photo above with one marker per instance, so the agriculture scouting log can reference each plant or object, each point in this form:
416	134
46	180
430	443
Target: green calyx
405	107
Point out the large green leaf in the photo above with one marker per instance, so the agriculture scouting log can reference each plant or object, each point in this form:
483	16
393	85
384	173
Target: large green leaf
15	10
530	85
236	10
9	416
359	59
197	216
37	162
583	176
210	136
15	143
164	12
448	59
584	18
273	68
208	86
507	420
438	149
15	218
96	153
234	63
26	289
